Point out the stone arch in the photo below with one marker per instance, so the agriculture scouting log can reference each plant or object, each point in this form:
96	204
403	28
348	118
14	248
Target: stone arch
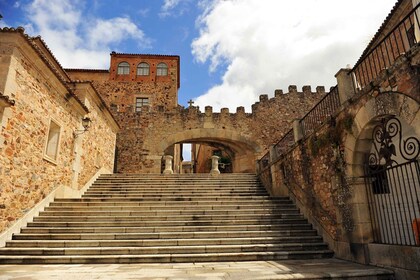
246	151
396	104
358	145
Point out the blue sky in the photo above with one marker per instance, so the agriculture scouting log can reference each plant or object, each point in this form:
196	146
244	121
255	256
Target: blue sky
231	50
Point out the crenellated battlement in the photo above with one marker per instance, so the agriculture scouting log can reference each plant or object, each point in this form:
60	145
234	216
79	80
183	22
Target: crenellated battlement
292	97
280	99
266	123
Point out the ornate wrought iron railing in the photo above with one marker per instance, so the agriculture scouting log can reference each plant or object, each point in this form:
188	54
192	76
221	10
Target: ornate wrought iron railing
394	194
397	42
324	109
392	175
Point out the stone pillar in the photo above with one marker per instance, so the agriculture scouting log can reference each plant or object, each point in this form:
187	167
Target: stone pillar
297	130
273	157
277	180
214	166
168	165
345	85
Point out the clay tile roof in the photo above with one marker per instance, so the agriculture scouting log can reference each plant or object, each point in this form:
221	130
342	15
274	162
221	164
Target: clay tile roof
6	99
39	39
45	59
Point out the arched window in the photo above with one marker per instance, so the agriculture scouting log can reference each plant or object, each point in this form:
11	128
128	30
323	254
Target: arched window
162	69
143	69
123	68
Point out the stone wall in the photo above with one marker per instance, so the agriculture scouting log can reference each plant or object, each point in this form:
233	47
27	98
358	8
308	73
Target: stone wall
324	171
145	135
97	144
40	95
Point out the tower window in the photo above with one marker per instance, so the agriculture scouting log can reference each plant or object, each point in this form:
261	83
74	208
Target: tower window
123	68
162	69
140	102
143	69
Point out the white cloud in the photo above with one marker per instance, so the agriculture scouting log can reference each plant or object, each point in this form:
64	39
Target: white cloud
115	30
75	41
173	8
270	44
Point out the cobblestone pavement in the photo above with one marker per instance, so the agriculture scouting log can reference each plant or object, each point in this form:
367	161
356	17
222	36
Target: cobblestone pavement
291	269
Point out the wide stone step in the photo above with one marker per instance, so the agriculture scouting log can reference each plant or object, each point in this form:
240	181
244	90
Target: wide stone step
183	186
179	217
161	242
203	203
91	212
155	218
167	258
152	198
203	176
175	188
134	222
208	180
167	208
130	234
202	181
168	194
172	197
235	182
230	230
181	249
172	192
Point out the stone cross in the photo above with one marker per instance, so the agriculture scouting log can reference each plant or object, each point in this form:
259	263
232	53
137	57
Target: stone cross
190	102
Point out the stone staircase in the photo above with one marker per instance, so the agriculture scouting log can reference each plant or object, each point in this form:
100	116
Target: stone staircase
176	218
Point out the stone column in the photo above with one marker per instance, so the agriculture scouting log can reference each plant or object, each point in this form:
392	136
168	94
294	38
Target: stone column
214	166
345	85
297	130
168	165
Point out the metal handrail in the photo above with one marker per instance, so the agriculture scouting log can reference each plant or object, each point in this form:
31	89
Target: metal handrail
321	111
382	55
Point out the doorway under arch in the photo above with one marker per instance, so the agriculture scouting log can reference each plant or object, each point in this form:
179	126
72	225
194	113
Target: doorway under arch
238	152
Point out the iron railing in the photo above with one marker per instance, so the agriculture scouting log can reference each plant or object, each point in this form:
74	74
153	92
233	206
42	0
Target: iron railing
397	42
325	108
394	203
281	147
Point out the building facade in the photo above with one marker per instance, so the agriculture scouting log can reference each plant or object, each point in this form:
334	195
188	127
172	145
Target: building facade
43	143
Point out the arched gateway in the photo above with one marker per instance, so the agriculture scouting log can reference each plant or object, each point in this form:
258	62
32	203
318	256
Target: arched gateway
243	151
152	123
